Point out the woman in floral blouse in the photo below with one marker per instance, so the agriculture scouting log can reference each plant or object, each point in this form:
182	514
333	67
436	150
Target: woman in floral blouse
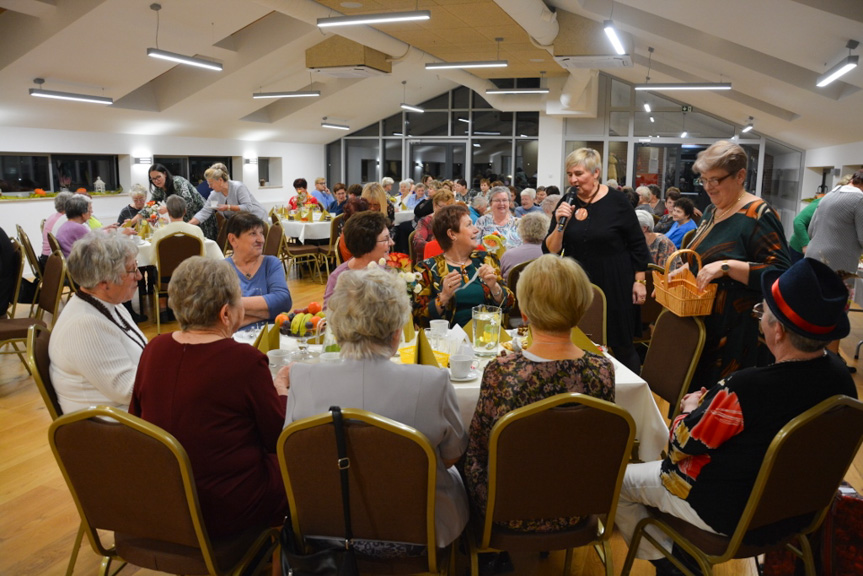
499	219
551	365
164	184
462	277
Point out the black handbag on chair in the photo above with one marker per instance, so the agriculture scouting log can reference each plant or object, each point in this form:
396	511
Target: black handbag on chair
335	561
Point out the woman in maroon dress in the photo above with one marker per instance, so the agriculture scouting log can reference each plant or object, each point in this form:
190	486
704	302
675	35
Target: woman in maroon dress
217	397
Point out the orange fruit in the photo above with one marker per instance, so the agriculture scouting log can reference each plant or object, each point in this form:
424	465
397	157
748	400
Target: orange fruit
315	307
281	319
315	320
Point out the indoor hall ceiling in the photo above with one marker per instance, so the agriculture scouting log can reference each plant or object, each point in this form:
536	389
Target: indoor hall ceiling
771	51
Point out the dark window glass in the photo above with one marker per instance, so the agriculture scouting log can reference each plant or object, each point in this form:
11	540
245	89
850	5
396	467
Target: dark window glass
334	161
460	123
527	124
492	123
437	103
479	101
74	171
492	159
362	160
427	124
370	130
461	97
393	159
199	164
24	173
393	125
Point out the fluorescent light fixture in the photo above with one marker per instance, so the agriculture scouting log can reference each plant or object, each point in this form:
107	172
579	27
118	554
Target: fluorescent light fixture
384	18
465	120
478	133
652	119
189	60
647	107
846	65
38	92
294	94
746	128
659	87
684	134
517	91
475	145
397	134
143	160
612	37
335	126
468	64
410	108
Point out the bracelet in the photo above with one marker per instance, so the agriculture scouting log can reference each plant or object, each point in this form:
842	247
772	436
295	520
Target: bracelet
498	293
641	281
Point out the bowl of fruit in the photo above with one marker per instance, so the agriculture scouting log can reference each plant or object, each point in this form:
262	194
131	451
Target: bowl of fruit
303	324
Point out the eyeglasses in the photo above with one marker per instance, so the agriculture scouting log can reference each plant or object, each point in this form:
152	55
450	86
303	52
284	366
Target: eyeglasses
386	240
758	311
711	182
501	200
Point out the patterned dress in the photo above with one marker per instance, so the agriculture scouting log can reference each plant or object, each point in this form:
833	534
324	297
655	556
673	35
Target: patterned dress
194	203
509	230
458	310
513	381
754	235
660	249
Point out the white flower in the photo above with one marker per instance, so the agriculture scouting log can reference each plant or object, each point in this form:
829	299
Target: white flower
382	261
417	288
372	265
418	276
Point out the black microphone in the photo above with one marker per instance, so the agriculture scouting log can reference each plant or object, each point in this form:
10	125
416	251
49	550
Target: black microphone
569	199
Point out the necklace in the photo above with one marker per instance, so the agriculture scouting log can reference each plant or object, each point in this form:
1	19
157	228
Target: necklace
581	213
730	208
461	266
251	271
131	333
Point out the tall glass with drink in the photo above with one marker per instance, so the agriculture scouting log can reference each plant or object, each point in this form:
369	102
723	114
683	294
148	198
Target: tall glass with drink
486	329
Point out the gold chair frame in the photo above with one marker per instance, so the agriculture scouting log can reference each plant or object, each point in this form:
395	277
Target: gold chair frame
331	250
32	260
164	270
597	313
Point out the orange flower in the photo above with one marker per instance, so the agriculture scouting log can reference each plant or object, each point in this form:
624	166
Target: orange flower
39	192
151	203
81	190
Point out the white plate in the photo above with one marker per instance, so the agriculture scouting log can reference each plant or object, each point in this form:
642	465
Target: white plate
472	375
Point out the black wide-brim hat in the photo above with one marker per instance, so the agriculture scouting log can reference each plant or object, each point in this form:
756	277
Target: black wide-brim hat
809	298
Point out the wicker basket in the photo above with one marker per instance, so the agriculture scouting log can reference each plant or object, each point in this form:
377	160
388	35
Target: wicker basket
679	293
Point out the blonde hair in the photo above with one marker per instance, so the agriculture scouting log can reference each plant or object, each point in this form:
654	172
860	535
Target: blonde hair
199	288
552	278
213	173
366	309
587	158
443	198
724	155
374	192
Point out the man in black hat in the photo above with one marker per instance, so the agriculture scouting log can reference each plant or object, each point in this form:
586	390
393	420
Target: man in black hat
719	440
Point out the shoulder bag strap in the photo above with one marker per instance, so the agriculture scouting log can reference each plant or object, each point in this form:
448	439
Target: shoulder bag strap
344	464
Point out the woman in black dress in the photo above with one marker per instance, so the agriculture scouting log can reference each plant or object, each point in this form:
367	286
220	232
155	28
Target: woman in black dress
603	234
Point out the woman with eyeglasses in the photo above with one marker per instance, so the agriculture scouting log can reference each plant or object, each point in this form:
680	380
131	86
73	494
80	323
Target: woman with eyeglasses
164	184
368	239
498	218
739	239
95	345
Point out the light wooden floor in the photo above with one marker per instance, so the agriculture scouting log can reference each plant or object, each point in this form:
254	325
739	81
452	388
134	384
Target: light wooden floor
38	520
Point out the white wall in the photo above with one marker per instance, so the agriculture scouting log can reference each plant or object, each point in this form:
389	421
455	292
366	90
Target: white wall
846	157
297	160
550	156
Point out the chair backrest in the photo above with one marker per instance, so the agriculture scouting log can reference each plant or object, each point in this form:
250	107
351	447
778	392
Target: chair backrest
392	479
54	243
336	251
594	322
222	236
335	227
575	446
651	309
53	279
265	228
411	250
38	338
804	465
16	270
273	243
171	251
150	491
687	238
672	356
512	283
32	259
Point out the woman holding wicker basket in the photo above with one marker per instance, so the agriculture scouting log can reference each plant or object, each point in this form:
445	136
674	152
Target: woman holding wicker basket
739	239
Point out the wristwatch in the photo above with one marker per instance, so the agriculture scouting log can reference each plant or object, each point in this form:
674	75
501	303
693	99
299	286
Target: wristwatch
725	268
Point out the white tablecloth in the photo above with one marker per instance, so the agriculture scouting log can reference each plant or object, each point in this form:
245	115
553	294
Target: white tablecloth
303	231
147	254
631	393
404	216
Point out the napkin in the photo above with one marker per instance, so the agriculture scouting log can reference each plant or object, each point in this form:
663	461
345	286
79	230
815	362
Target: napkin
261	342
274	338
426	354
581	340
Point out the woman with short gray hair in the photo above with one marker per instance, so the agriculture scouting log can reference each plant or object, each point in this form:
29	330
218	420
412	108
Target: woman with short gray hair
531	228
366	315
659	246
227	387
95	345
138	194
51	221
499	219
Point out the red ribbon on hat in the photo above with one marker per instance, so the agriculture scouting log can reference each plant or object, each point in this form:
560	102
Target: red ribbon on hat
793	316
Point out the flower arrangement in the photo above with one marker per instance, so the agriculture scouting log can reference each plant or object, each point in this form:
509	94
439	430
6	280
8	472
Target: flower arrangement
401	264
81	191
39	192
150	211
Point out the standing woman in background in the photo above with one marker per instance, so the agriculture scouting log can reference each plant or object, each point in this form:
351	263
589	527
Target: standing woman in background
164	184
603	234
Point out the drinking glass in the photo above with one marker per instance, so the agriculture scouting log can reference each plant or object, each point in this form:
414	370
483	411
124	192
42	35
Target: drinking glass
486	329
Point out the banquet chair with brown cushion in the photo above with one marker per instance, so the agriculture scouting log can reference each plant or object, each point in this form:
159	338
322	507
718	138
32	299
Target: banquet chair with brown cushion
170	252
32	260
38	339
800	473
392	487
68	281
273	242
672	356
13	331
650	310
594	322
149	500
330	251
512	283
222	235
294	253
578	477
687	238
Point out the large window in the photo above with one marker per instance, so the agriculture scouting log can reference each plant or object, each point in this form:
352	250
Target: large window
24	173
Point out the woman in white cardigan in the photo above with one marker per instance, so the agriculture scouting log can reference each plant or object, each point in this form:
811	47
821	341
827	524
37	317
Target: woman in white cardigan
366	314
95	345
